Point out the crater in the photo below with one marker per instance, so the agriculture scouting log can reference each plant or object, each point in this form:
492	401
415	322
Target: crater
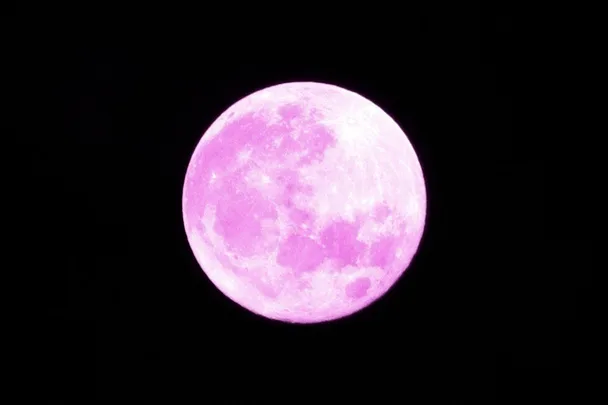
381	212
290	111
358	288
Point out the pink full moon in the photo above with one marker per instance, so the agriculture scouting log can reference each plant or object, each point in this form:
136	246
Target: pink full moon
304	202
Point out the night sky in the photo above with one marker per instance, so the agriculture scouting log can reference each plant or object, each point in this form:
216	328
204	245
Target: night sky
114	113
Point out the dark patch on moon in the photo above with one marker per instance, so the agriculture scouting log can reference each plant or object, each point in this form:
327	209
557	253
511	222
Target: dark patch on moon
358	288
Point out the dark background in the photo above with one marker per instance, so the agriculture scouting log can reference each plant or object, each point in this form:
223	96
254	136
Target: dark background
114	111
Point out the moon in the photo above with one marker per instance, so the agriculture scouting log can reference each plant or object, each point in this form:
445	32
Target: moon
304	202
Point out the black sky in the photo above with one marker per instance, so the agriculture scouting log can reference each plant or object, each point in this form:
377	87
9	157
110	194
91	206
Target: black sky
113	117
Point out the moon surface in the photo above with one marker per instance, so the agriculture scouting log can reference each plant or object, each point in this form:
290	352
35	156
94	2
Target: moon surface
304	202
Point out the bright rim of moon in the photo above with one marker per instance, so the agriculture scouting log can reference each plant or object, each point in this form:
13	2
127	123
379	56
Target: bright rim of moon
304	202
